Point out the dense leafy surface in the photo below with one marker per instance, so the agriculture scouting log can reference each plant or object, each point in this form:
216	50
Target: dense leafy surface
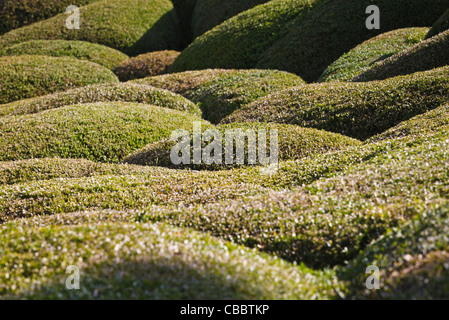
30	76
126	92
371	51
220	92
17	13
104	132
150	25
146	65
441	25
429	54
359	110
102	55
299	36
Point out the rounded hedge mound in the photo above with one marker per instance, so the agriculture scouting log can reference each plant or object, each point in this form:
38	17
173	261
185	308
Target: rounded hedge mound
441	25
102	55
160	262
150	26
146	65
429	54
211	13
413	259
17	13
30	76
329	221
293	143
371	51
220	92
359	110
125	92
299	36
104	132
423	124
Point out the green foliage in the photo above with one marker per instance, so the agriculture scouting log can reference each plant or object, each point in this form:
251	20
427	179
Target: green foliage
331	220
102	55
157	261
104	132
220	92
300	36
427	55
30	76
371	51
126	92
293	143
358	110
413	260
441	25
17	13
150	26
211	13
146	65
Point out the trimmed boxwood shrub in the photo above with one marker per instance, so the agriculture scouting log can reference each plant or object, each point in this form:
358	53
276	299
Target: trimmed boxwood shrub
146	65
104	132
126	92
17	13
300	36
150	26
429	54
158	261
29	76
102	55
371	51
358	110
293	143
220	92
441	25
211	13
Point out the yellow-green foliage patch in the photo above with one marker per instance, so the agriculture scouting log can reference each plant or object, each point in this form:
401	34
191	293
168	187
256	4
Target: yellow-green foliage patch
102	55
413	260
30	76
358	110
371	51
429	54
150	26
300	36
17	13
329	221
220	92
125	92
157	261
146	65
441	25
423	124
293	143
104	132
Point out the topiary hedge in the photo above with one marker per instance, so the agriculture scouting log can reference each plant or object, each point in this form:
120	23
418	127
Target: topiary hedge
146	65
358	110
126	92
429	54
104	132
441	25
160	262
102	55
300	36
293	143
211	13
369	52
150	26
29	76
220	92
17	13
